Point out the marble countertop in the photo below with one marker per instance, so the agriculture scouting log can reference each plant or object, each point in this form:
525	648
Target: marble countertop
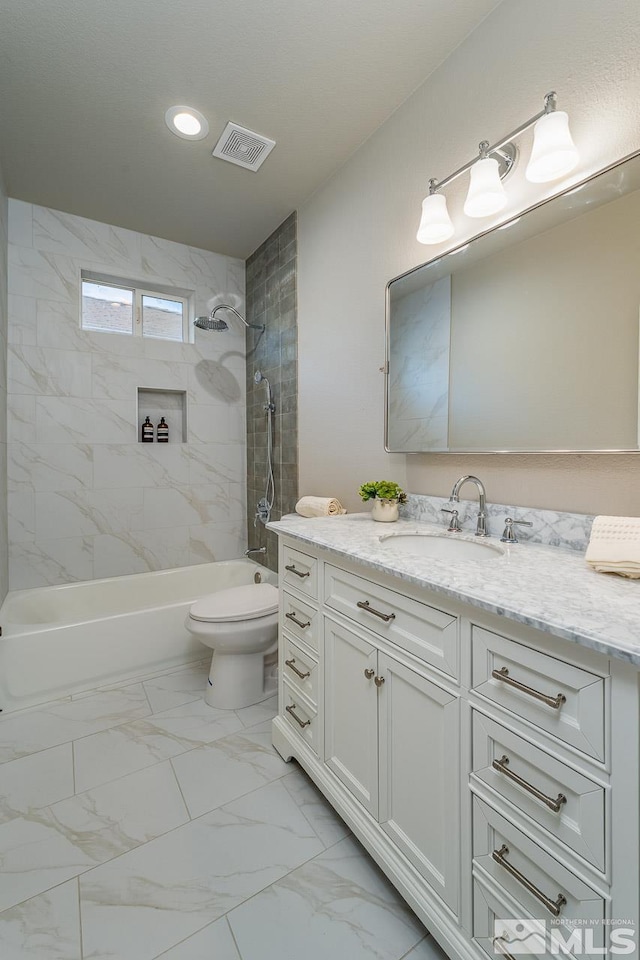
548	588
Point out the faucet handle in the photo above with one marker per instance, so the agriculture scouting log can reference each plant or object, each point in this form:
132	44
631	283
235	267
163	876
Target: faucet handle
508	534
454	525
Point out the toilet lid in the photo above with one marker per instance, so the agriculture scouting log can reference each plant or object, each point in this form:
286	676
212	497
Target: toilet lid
237	603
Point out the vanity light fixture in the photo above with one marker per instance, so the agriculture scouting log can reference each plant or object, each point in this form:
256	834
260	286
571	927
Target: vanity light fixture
187	123
553	156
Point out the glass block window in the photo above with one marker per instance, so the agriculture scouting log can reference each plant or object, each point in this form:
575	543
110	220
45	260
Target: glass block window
112	306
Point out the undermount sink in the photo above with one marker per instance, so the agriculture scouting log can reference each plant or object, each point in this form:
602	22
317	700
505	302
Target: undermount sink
440	547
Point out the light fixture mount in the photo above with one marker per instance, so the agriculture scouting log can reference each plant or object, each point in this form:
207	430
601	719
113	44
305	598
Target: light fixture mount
553	156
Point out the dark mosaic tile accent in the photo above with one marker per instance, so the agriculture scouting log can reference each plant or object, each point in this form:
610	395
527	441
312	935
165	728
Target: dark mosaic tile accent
271	298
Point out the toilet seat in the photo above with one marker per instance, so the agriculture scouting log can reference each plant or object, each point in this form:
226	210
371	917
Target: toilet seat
237	603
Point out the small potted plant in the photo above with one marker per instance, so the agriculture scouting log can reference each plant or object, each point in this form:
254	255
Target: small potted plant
386	495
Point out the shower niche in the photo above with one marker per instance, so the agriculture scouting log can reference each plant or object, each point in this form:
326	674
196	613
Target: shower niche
155	403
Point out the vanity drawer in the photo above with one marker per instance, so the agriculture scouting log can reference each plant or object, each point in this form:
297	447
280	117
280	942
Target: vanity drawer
302	719
300	669
299	571
561	699
426	632
300	619
537	882
499	922
535	783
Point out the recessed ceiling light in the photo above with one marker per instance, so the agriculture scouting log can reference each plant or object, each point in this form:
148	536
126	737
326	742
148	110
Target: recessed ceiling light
186	122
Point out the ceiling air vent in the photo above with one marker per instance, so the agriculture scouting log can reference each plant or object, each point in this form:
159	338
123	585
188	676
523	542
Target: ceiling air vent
244	147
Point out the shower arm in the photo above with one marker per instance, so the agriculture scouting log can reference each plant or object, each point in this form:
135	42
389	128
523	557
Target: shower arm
227	306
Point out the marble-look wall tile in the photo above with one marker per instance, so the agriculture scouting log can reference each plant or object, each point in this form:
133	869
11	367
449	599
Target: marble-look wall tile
87	499
48	562
22	328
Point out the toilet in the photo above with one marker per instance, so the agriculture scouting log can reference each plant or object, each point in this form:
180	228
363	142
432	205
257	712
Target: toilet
240	625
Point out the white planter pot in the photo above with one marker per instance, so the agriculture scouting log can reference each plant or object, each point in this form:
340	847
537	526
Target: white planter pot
386	511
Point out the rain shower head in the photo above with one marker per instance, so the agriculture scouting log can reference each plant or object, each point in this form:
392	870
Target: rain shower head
210	322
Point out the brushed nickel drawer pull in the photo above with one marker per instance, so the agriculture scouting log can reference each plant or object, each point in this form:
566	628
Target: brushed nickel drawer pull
369	672
502	950
290	708
553	906
292	569
378	681
364	605
555	702
298	623
292	666
555	805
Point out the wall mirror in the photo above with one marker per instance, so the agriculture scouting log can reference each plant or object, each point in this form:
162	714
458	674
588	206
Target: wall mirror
525	339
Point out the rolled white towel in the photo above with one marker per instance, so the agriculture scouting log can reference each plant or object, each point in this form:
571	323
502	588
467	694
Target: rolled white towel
614	546
319	507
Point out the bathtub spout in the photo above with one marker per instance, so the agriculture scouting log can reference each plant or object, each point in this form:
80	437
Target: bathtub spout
255	550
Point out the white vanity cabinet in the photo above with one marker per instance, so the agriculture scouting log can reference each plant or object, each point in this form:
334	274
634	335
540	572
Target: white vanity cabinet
491	770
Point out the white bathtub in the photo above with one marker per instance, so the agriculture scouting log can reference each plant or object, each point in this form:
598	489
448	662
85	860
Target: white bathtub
61	640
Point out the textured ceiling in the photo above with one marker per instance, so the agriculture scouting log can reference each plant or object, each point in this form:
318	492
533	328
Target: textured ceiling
84	85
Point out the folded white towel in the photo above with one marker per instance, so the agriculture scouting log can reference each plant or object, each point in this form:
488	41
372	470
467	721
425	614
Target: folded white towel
614	546
319	507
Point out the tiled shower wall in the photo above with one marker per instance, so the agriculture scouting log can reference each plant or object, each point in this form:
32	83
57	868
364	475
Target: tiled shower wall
4	540
272	299
86	499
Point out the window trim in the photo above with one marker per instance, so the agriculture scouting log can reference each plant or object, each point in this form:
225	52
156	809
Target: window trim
141	289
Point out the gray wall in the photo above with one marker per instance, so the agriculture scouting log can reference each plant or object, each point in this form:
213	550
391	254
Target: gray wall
358	230
271	297
4	538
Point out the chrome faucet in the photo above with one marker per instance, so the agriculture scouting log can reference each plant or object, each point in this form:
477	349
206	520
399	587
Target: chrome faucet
481	527
255	550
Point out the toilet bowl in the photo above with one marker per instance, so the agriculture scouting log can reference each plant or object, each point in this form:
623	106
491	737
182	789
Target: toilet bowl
240	625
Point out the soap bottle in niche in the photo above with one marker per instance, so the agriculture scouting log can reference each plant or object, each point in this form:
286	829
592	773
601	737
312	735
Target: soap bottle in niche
162	432
147	431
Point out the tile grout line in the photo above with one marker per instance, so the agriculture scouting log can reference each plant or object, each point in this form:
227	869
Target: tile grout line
230	929
80	917
184	799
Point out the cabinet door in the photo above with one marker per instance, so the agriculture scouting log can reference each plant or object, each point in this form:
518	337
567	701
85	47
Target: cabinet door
419	774
351	711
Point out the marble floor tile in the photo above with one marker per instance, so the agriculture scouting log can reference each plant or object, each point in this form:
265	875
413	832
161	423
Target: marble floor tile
338	905
48	846
318	811
142	743
35	781
118	816
154	897
56	723
229	768
215	942
259	712
175	689
46	927
427	949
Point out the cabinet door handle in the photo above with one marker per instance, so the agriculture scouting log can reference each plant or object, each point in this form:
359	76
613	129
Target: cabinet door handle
290	708
503	675
299	573
292	666
378	681
369	672
553	804
553	906
298	623
365	605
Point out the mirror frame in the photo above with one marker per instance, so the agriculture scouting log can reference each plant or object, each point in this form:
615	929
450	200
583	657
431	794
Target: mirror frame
516	216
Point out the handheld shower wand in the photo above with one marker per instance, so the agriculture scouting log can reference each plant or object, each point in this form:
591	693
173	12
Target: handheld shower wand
210	322
265	505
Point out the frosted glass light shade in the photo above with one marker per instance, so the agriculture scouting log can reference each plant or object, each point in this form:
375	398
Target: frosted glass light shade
435	223
486	194
554	153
